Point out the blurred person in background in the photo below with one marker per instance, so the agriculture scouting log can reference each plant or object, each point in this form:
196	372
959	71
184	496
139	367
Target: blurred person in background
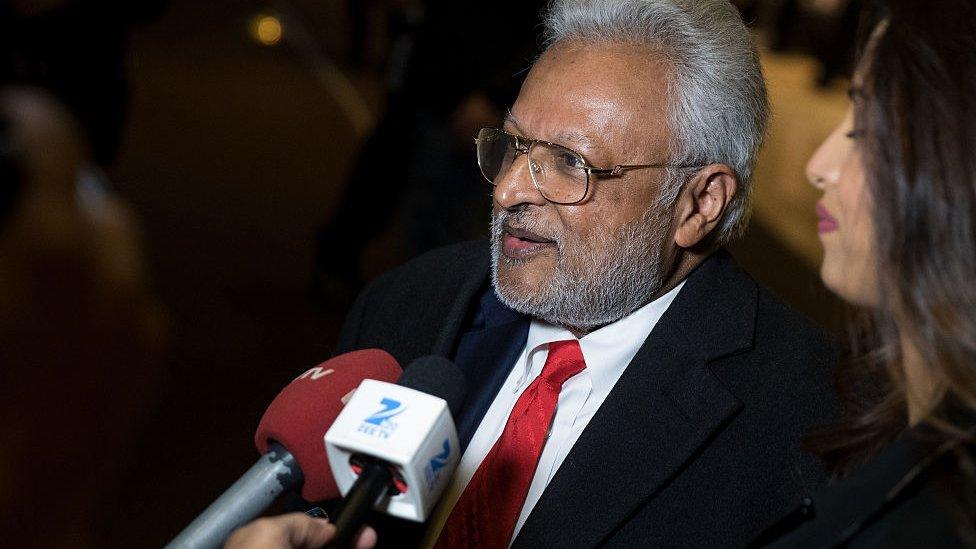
78	328
75	330
75	49
453	68
898	227
834	43
824	28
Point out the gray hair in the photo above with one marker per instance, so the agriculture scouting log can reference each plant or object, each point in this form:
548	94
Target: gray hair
719	108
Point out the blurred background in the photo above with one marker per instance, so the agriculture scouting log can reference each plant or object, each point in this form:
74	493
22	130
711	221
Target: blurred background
192	193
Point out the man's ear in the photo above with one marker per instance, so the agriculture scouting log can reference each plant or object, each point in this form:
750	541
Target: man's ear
702	203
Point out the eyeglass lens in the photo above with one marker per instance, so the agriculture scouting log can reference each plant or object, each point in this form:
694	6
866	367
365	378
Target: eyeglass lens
558	172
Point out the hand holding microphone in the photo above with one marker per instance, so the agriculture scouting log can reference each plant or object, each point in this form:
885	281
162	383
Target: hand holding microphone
291	531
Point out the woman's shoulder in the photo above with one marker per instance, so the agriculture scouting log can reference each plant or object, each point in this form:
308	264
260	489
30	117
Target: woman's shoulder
936	512
915	493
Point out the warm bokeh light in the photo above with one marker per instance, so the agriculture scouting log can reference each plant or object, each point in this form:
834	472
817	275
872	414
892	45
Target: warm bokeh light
267	30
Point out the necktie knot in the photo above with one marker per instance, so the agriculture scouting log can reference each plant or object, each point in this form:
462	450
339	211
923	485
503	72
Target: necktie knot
565	360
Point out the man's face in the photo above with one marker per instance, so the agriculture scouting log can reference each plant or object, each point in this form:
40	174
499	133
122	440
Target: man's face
591	263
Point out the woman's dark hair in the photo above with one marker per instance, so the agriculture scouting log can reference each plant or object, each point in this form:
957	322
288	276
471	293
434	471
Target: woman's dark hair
916	113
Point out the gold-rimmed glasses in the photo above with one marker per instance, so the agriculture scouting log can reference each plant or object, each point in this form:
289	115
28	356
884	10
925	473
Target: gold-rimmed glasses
559	173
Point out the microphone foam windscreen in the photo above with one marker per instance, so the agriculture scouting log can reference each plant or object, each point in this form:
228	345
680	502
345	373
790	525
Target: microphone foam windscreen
437	376
304	410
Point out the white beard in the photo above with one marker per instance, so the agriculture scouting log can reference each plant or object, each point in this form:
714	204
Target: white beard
595	282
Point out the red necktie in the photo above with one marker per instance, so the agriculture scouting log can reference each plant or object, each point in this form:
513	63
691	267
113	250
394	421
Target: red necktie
486	513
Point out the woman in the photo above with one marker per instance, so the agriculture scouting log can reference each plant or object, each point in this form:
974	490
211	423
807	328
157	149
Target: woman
898	227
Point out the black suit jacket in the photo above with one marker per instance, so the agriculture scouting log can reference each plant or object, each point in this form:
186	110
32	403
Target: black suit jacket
697	445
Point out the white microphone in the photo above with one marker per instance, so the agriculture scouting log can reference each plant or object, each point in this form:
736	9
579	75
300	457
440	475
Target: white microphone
394	447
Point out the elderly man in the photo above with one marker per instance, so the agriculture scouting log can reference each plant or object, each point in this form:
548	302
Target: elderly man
630	384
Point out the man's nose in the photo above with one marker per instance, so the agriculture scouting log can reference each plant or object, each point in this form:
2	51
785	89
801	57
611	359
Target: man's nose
515	187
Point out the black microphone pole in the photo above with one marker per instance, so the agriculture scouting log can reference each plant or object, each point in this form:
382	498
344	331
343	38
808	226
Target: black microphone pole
373	483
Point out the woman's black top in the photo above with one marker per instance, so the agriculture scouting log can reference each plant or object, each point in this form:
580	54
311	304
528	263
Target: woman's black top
913	494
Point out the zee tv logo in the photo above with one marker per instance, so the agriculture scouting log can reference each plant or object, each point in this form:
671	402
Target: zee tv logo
381	424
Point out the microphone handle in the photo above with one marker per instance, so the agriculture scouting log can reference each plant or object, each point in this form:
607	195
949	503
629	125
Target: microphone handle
372	484
276	472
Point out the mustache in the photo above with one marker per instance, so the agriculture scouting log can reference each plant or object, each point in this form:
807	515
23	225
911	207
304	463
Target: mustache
520	219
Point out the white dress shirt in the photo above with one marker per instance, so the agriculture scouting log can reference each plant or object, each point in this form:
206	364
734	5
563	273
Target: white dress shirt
606	351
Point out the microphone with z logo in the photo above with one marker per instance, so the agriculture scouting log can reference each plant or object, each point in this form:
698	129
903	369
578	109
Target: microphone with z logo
394	446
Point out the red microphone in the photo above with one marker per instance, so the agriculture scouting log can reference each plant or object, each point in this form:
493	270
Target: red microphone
290	438
304	410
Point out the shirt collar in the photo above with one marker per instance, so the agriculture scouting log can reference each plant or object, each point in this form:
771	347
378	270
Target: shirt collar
608	350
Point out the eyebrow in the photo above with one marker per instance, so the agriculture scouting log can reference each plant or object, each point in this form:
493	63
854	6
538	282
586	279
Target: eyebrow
510	119
577	139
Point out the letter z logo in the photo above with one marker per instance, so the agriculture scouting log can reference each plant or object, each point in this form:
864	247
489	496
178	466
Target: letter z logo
391	409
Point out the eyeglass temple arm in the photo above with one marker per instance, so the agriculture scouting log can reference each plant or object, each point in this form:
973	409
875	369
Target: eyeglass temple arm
619	169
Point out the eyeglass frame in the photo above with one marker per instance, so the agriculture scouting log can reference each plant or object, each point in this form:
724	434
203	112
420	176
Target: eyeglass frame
523	145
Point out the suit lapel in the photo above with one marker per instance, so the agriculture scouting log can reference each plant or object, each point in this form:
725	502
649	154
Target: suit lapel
486	352
486	356
467	293
662	411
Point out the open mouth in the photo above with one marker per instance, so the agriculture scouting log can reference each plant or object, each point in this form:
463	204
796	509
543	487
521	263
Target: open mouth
527	236
520	243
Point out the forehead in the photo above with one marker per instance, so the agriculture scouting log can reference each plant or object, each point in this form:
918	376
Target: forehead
596	94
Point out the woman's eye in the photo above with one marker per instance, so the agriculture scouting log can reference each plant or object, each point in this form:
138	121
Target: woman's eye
854	134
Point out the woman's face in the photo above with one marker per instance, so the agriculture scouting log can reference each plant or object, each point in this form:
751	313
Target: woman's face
844	213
